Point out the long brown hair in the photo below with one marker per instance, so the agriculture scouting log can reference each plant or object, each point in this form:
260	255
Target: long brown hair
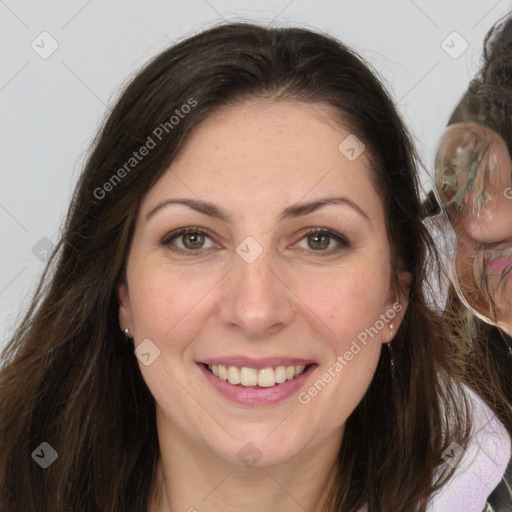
70	379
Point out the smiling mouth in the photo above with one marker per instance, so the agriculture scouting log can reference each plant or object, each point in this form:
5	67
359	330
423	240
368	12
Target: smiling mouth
252	377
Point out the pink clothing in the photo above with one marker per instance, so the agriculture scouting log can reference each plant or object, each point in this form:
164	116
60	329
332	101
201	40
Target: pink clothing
481	467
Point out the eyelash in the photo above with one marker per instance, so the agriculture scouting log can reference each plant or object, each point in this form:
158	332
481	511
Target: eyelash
169	237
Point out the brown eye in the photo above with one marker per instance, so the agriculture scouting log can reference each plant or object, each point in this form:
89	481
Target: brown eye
188	240
324	241
193	240
318	242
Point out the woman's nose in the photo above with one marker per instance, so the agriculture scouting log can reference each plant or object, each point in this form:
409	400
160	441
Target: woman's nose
256	300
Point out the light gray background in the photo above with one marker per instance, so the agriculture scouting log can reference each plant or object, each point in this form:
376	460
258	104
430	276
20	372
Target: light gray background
51	108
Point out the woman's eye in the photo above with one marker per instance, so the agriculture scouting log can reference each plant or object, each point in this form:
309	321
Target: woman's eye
325	241
188	240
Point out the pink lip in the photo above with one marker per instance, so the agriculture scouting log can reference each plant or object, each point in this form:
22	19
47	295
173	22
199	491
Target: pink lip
258	364
256	396
499	265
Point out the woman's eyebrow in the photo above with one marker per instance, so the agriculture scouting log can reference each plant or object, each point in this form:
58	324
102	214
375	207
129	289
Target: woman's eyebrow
199	206
293	211
304	208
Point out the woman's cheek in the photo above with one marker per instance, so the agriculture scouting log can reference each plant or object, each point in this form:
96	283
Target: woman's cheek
352	305
162	297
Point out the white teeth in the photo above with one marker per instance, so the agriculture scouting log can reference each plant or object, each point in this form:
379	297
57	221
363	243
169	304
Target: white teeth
280	374
264	378
233	375
223	372
248	376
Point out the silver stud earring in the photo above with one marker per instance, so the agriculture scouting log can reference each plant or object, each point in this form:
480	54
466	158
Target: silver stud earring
391	327
127	333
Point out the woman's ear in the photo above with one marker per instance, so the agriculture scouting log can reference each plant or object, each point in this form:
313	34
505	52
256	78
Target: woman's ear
125	312
397	306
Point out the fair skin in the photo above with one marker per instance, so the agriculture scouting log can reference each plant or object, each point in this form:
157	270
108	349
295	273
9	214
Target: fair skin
253	161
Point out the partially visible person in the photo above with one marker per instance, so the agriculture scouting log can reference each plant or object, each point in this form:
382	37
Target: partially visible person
474	181
474	186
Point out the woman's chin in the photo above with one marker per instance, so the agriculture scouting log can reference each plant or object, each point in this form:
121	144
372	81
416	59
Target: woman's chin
258	453
260	446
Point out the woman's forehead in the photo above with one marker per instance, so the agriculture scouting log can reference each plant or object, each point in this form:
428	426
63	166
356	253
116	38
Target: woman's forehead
279	150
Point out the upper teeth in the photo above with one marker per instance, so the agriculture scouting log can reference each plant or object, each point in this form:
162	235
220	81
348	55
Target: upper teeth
265	378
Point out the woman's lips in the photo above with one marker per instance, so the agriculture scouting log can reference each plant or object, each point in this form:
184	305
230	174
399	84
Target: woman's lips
255	395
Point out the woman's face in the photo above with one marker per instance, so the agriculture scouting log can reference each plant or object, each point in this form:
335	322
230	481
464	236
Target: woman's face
253	291
482	217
